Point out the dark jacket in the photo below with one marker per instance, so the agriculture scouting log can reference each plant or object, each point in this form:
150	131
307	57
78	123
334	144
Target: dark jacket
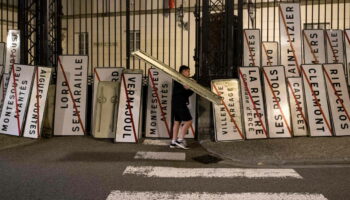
180	94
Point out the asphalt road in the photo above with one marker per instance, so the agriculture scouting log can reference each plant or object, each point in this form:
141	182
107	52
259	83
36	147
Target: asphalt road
85	168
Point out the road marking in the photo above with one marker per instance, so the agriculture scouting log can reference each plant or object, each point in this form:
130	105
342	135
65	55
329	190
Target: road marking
129	195
160	155
156	142
167	172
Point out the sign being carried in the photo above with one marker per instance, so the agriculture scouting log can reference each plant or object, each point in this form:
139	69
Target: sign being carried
130	107
253	104
37	102
277	106
316	100
314	47
270	53
335	48
227	117
290	38
71	95
2	53
16	101
347	48
158	120
297	106
252	42
338	96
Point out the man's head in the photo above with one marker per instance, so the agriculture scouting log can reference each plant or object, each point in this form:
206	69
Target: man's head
184	70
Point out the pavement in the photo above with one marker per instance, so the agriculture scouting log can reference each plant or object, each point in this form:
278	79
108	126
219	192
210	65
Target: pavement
298	151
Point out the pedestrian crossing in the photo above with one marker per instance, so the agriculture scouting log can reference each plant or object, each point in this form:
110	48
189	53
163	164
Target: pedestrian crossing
177	173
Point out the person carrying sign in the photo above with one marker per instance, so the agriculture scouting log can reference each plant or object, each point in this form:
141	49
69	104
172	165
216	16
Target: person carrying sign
181	93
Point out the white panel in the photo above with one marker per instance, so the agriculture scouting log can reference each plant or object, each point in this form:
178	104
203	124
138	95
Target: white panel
335	48
2	53
290	38
270	54
13	49
338	96
277	106
129	123
297	106
66	118
227	117
16	100
192	106
347	48
314	47
253	104
252	42
156	127
316	100
37	102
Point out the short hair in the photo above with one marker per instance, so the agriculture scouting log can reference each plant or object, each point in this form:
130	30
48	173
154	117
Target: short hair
183	67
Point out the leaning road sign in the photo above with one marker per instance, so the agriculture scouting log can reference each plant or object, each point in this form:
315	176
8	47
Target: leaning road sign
253	103
37	104
316	100
252	43
338	96
276	99
130	107
335	48
16	101
297	106
227	117
290	38
314	47
71	95
195	87
13	49
270	54
347	48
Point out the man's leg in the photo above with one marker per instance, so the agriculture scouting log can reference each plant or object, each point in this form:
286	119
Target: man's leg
184	129
176	129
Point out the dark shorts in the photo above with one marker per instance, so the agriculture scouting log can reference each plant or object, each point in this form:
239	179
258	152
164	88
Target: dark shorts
181	113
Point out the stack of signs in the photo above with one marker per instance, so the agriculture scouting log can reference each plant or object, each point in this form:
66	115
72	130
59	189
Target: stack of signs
71	95
335	51
130	107
316	100
347	48
158	116
338	96
104	74
276	98
269	54
314	47
297	106
12	57
227	117
290	38
253	104
252	42
16	100
37	104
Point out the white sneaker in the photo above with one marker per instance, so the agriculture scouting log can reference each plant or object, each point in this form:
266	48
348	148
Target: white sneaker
181	144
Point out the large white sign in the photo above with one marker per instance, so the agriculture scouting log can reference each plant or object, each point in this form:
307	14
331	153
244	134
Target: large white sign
277	106
347	48
130	108
158	120
335	48
104	74
252	42
227	117
316	100
270	53
314	47
13	49
37	102
297	106
71	95
338	96
290	38
2	53
253	104
16	100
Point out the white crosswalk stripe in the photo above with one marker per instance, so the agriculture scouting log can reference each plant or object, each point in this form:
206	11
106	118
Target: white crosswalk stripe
157	142
160	155
168	172
129	195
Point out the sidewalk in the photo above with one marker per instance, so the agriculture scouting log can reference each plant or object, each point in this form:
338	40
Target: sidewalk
7	141
299	151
